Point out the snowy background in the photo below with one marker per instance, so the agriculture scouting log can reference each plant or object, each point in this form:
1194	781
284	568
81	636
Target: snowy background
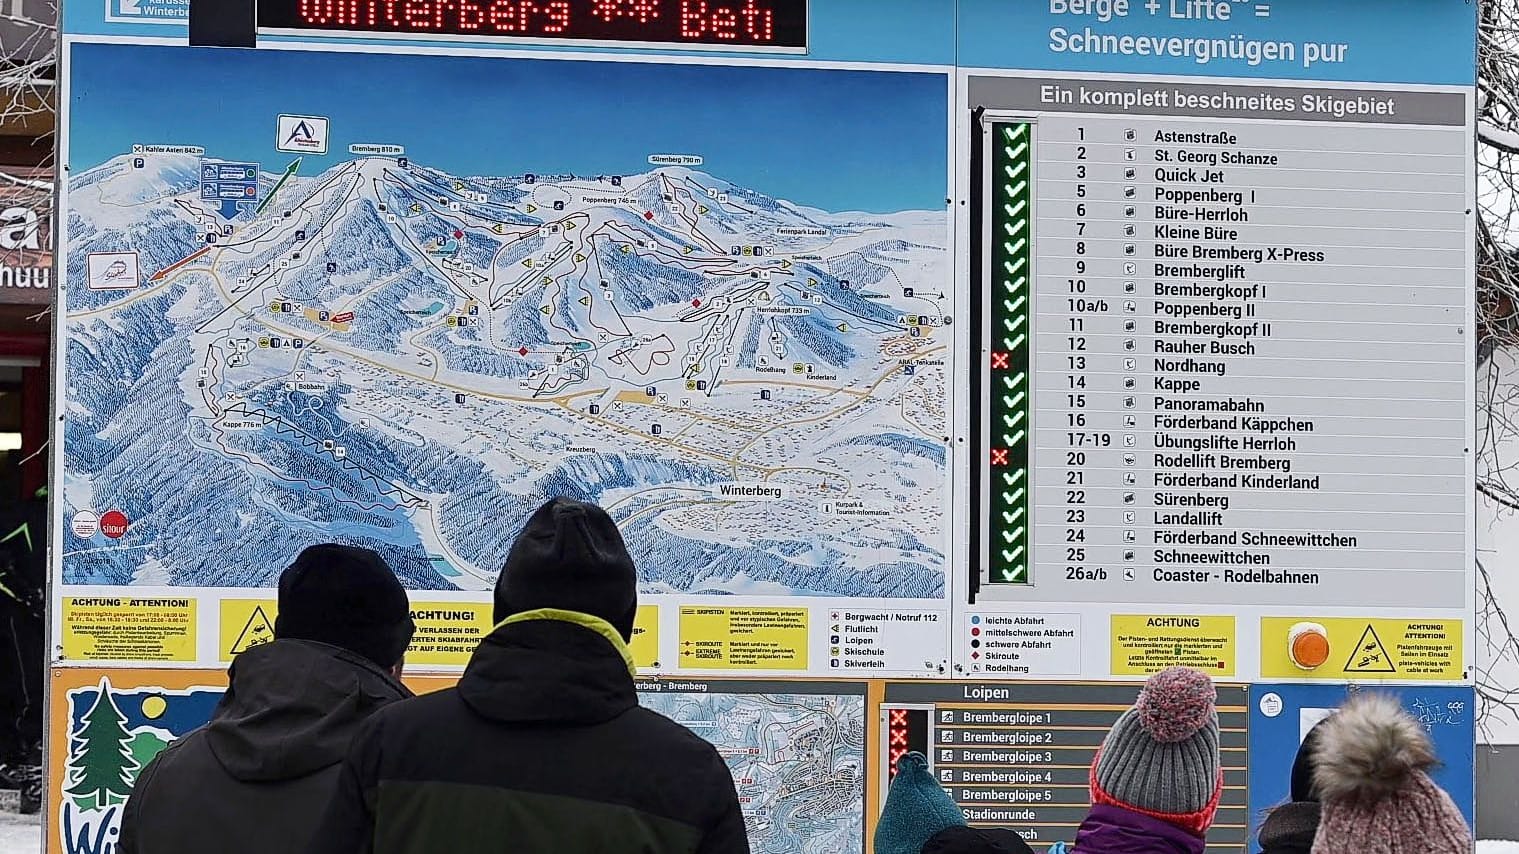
20	834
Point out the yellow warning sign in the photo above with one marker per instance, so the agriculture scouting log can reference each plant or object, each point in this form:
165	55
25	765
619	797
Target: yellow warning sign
743	638
1148	643
120	628
645	642
246	623
1362	648
447	632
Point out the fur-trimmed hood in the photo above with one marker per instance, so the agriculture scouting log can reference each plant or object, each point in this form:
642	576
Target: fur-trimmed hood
1369	749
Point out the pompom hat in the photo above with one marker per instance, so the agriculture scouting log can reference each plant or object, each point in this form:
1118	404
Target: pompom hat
1371	772
1161	757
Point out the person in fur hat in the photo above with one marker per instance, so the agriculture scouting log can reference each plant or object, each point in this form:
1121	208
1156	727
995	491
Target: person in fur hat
1157	778
1371	771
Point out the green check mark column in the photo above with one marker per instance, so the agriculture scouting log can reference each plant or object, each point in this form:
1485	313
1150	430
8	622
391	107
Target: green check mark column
1010	393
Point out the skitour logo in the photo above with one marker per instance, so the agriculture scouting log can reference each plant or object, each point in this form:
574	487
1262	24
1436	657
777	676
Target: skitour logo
303	134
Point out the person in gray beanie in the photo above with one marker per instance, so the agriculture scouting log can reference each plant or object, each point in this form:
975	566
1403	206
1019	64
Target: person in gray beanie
1157	779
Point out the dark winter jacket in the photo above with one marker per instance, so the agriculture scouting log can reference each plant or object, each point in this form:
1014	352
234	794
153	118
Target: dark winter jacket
1290	829
1114	830
974	840
257	779
542	748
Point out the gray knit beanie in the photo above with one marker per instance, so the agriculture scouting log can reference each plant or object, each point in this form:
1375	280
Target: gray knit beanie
1161	757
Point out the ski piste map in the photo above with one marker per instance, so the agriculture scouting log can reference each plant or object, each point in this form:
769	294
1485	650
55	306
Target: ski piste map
798	762
268	353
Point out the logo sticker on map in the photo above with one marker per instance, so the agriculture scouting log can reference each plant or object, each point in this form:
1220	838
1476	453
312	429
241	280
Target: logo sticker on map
85	524
302	134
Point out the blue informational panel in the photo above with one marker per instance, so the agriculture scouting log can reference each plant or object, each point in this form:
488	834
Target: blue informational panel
229	188
1281	715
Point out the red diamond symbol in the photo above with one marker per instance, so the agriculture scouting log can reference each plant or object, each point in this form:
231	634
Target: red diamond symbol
696	303
522	352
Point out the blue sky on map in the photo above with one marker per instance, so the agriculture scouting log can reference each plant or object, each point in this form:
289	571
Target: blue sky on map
834	139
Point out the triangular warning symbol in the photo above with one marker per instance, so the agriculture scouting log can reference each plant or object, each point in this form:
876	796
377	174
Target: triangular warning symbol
1369	655
257	632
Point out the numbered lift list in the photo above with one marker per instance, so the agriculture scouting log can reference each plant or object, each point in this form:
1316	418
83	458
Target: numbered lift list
1225	343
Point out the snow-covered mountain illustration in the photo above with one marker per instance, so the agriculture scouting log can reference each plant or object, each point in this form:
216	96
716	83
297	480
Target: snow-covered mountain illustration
392	355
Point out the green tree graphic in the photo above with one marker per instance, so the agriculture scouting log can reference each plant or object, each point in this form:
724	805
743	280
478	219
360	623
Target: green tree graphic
101	766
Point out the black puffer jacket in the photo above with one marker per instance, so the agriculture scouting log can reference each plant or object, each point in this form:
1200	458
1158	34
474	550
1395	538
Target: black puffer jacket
258	777
541	749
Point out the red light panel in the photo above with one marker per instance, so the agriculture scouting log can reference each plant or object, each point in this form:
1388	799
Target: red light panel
729	23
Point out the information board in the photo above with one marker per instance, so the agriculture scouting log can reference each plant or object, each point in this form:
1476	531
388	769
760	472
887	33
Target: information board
1223	331
335	327
1020	756
948	368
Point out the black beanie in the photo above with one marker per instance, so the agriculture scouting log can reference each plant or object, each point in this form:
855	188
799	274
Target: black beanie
347	597
1303	787
570	556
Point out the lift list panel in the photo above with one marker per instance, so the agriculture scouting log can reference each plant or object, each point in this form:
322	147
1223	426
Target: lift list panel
1225	343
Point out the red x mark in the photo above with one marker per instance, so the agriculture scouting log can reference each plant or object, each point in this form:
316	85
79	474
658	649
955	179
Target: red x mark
999	456
999	360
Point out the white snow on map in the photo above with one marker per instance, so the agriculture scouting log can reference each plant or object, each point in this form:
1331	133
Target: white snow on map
797	759
411	360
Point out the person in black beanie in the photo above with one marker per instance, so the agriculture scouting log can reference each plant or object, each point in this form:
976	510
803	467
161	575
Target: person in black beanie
257	777
1290	827
542	747
346	597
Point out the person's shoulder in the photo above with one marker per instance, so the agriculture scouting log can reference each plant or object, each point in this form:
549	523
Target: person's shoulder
421	709
188	747
180	758
665	736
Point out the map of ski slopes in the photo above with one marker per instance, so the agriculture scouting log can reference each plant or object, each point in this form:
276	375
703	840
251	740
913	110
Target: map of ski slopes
342	339
797	759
